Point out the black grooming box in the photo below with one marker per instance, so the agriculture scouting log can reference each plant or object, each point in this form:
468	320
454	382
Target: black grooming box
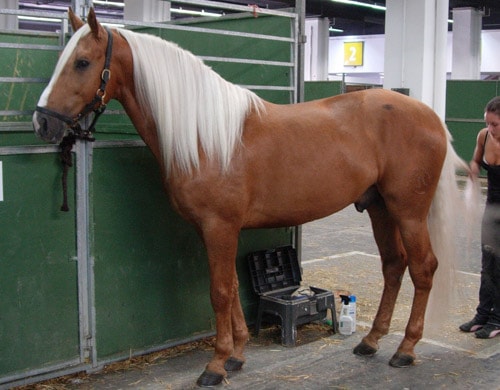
276	276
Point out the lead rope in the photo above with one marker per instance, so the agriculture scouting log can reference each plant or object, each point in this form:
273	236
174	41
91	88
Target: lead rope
66	146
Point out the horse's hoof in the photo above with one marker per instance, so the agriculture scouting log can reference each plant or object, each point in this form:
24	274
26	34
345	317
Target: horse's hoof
364	349
233	364
401	360
209	379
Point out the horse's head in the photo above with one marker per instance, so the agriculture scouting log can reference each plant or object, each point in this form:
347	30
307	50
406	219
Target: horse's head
79	85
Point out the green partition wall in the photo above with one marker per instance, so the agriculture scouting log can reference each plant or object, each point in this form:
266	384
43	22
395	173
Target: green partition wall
321	89
151	271
159	254
39	320
38	279
465	102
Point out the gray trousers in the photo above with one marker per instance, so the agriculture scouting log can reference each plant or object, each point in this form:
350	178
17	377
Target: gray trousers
488	309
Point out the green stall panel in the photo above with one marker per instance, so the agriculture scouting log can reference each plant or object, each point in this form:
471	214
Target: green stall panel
118	126
466	99
321	89
151	270
241	47
464	137
38	268
36	61
465	102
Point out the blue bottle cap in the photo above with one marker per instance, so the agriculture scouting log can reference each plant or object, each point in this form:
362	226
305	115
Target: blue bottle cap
352	298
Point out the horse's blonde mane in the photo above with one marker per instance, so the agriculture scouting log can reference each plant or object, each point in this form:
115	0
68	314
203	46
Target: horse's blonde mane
192	105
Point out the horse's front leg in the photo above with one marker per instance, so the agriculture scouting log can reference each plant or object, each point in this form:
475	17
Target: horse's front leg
221	242
240	333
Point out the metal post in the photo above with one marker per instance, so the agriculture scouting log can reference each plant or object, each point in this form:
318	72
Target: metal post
83	165
63	32
300	8
81	7
9	22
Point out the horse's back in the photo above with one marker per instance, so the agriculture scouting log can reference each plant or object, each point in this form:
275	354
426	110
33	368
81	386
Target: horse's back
308	160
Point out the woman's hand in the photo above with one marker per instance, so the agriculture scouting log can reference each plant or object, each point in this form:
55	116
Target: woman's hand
474	169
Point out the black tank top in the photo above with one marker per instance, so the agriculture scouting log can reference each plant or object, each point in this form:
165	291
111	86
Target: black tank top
493	171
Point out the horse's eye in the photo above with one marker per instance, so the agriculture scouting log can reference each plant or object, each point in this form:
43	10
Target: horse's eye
81	64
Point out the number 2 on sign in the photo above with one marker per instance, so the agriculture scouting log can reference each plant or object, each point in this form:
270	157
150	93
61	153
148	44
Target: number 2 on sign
353	53
352	58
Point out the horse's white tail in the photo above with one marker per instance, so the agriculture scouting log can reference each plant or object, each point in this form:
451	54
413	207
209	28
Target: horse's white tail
444	220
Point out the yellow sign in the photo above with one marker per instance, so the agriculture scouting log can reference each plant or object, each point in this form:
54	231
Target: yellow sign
353	53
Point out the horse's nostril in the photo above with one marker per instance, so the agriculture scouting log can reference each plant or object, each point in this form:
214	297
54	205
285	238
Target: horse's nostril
44	125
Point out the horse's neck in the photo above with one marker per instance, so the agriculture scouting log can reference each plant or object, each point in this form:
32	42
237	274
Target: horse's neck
142	121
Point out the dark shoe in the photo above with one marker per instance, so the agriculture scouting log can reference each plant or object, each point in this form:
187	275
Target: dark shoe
488	331
471	326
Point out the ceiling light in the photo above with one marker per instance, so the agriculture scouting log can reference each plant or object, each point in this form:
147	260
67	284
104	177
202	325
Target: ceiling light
190	12
360	4
110	3
366	5
39	19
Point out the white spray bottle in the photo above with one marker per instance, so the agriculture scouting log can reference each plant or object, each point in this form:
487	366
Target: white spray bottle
352	311
345	320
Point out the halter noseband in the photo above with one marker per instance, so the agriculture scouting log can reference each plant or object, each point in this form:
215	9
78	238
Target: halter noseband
73	123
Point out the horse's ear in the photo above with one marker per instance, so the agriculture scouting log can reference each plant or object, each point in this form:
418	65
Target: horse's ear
93	23
75	21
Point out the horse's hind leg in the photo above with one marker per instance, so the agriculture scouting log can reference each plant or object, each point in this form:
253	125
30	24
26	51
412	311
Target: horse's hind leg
422	264
393	257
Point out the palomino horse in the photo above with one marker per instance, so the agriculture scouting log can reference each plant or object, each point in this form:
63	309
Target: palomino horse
231	161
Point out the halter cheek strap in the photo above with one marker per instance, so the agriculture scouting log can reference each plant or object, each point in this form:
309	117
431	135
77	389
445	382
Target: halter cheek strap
73	123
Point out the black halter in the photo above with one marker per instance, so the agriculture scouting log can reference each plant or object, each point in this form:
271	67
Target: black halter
74	123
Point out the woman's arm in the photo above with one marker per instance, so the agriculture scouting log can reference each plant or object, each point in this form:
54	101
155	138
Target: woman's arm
475	164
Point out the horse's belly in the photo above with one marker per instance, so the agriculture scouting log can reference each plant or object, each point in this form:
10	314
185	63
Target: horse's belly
297	200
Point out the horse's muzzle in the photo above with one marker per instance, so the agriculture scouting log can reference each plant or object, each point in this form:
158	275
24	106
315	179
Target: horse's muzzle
48	128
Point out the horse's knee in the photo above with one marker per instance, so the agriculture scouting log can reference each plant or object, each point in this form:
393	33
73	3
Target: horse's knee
221	297
240	333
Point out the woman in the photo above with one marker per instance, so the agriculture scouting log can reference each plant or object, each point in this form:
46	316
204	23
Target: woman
486	322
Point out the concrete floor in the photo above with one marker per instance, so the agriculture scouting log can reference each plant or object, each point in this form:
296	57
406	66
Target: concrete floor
339	254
